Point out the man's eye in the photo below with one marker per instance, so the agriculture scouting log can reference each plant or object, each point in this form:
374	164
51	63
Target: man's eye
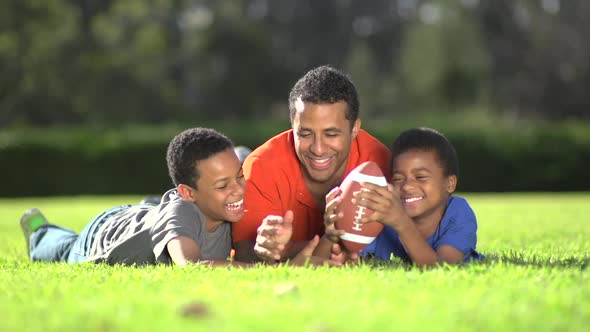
422	177
332	134
222	187
303	135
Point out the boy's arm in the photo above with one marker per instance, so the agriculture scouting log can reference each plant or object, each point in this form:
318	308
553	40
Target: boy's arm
389	211
184	250
420	252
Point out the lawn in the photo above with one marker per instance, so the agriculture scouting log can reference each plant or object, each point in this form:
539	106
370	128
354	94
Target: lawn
535	278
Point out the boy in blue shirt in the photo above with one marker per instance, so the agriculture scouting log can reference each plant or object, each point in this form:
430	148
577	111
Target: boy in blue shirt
424	223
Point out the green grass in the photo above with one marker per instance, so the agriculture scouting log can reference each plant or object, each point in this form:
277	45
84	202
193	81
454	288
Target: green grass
534	279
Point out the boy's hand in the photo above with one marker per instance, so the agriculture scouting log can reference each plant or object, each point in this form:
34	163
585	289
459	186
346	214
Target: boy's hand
273	236
330	215
385	203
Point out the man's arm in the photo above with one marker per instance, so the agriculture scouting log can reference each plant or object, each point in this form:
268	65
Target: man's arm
245	252
184	251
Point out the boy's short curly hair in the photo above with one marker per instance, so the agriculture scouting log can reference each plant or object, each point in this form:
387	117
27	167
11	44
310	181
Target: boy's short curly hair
430	140
188	148
325	85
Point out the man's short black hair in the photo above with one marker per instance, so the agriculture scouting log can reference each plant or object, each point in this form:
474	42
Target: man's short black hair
325	85
428	139
190	147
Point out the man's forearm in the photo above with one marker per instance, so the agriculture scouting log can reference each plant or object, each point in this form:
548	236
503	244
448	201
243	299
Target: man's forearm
245	252
292	249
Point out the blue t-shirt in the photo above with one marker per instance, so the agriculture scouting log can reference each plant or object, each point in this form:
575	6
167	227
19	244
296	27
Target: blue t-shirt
458	228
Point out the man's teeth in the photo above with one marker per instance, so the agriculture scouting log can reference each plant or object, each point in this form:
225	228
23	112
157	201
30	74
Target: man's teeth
412	199
235	205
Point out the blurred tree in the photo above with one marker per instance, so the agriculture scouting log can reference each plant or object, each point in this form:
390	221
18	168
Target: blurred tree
109	62
539	54
443	64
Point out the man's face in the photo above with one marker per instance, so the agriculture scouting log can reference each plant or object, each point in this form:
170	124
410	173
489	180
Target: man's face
323	137
221	185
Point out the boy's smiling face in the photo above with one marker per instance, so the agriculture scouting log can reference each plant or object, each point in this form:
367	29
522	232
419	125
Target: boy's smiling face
221	185
420	181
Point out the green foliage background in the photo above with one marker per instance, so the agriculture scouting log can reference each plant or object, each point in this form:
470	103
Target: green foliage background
520	156
91	91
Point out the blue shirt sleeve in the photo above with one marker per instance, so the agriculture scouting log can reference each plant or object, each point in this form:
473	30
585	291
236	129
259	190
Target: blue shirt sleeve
458	228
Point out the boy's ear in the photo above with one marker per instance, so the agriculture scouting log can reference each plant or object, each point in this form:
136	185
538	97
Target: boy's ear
185	192
451	183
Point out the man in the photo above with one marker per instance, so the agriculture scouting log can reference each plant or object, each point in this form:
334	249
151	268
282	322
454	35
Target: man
289	176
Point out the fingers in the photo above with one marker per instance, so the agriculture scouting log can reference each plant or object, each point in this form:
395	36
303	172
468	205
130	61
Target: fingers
266	254
333	234
331	219
310	246
288	218
353	257
272	220
372	193
269	244
336	249
273	235
390	187
333	194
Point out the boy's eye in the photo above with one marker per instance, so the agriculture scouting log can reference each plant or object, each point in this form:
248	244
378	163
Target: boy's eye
397	179
222	187
331	134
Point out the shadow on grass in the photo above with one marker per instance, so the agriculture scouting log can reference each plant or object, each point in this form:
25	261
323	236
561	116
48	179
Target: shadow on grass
546	260
511	257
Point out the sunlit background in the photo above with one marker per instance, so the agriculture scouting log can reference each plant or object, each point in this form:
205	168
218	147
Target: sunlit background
90	88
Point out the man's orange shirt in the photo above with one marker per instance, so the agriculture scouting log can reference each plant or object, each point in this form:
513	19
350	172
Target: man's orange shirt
275	184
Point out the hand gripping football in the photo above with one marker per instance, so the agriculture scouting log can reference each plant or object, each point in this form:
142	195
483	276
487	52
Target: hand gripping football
358	235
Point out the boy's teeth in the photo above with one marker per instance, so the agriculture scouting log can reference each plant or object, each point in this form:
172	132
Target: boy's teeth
235	205
413	199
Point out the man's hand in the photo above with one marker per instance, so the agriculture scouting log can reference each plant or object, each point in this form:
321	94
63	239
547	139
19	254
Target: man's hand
340	256
333	198
273	236
305	256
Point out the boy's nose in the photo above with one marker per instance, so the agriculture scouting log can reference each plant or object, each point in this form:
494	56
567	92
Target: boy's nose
408	185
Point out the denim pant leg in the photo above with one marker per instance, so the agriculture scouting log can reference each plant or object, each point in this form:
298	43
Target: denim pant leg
51	243
80	250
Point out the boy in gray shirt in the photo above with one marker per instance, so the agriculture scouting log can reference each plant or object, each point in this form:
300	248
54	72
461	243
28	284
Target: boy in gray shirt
190	224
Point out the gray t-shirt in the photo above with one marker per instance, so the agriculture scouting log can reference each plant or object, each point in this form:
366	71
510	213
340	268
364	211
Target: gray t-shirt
139	234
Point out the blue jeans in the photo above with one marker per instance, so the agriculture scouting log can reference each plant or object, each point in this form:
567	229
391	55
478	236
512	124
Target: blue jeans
58	244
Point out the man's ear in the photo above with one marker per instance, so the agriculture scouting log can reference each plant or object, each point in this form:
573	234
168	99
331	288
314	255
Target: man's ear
451	183
185	192
356	127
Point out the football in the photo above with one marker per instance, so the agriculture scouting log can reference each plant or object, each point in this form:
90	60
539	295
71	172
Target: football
358	235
